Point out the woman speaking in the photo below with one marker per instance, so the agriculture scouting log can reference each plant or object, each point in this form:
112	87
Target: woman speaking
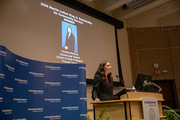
103	83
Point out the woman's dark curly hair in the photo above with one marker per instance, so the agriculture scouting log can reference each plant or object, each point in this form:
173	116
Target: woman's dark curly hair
100	71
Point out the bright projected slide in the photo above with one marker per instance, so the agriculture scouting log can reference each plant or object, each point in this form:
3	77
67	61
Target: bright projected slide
47	31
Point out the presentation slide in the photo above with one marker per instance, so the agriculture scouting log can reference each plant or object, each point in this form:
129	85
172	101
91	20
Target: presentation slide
48	31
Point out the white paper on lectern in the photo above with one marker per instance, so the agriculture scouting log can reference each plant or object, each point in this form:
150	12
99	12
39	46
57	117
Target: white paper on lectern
150	109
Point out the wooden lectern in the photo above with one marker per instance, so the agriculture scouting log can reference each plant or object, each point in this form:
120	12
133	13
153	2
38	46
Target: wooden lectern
129	107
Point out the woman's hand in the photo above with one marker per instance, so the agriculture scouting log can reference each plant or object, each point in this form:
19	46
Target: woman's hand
97	100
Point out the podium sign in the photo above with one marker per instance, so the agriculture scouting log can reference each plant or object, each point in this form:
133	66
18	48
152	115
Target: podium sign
150	109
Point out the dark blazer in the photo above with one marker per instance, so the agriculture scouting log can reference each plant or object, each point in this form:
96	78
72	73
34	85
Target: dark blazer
101	89
70	42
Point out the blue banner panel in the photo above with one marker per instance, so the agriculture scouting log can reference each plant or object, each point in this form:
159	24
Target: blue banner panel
34	90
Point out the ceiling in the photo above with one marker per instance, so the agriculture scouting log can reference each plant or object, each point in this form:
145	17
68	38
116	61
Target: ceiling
139	13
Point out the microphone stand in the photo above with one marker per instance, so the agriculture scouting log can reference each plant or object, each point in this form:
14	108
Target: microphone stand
123	91
156	86
120	80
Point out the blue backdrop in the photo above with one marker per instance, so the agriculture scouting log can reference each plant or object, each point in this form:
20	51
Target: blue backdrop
33	90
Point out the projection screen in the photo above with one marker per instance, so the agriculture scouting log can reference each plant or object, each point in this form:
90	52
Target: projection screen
37	30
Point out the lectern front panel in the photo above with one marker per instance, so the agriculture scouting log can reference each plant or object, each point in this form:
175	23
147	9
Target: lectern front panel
116	111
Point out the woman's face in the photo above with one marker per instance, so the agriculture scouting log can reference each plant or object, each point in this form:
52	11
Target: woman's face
107	68
69	30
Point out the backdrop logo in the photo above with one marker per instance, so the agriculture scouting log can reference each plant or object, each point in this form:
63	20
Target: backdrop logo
71	108
22	63
53	83
35	109
7	111
3	53
20	119
70	75
36	91
54	100
10	68
20	100
83	115
20	81
82	83
84	99
53	68
8	89
1	99
70	91
56	117
2	76
83	68
36	74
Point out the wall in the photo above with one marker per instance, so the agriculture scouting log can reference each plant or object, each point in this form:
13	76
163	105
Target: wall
124	56
156	45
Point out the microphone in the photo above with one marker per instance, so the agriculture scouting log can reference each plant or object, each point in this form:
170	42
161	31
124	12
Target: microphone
120	80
